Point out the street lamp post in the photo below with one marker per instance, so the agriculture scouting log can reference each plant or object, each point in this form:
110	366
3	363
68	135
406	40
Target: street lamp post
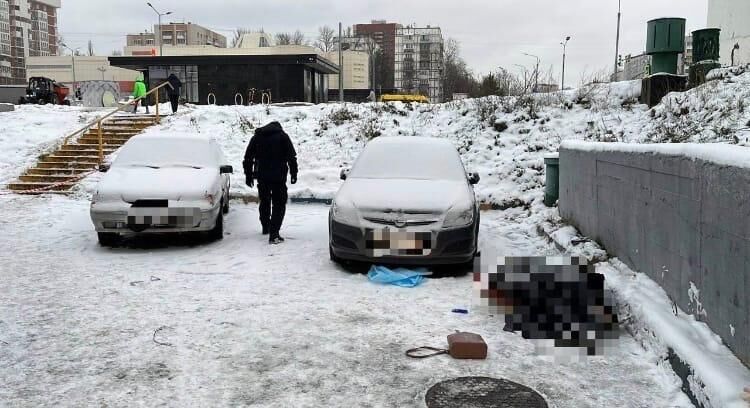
161	40
565	47
102	70
617	43
72	59
536	71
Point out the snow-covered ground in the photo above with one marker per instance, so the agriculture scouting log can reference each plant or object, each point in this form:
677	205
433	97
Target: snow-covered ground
280	326
243	323
31	130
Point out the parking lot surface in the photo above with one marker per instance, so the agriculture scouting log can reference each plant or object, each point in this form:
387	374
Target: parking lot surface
242	323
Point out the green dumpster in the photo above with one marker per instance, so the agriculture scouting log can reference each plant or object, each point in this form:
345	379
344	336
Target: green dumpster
552	185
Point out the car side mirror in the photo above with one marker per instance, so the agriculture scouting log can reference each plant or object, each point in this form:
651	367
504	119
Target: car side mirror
103	168
226	170
474	178
344	174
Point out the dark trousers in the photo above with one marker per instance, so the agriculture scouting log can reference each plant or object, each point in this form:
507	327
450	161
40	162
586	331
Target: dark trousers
272	194
174	99
142	102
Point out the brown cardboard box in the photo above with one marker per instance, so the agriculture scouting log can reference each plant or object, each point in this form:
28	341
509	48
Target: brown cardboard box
467	346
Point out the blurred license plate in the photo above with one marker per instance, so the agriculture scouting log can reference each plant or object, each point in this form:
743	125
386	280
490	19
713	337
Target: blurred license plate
392	242
171	217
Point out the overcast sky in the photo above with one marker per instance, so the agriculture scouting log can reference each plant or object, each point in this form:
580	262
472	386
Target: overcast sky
492	33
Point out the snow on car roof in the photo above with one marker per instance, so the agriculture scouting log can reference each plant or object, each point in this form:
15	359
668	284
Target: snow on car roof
410	140
411	157
165	149
172	136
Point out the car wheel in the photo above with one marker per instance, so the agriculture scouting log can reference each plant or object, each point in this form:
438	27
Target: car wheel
217	233
108	239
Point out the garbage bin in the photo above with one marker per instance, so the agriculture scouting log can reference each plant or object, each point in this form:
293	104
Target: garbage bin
552	185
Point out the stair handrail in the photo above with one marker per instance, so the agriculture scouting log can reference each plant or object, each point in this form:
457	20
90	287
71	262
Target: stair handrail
98	121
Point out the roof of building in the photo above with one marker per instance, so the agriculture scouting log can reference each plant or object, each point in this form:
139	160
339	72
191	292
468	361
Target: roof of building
314	61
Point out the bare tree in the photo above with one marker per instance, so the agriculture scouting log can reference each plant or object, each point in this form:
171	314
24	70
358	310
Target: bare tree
283	38
326	39
237	36
457	78
298	38
116	53
91	49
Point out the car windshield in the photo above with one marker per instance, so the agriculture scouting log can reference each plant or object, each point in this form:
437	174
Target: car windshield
158	153
420	160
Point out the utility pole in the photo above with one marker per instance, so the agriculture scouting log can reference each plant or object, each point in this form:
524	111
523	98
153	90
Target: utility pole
565	46
341	65
161	39
73	61
617	44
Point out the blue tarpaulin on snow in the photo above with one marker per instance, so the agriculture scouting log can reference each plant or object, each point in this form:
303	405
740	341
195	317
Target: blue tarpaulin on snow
406	278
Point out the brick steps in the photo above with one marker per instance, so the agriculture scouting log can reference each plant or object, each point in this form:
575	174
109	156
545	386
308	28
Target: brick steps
52	171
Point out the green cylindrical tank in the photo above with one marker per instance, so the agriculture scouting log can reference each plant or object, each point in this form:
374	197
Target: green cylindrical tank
552	186
706	44
665	41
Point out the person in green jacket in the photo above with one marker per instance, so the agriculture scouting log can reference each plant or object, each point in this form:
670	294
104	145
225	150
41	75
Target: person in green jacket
139	90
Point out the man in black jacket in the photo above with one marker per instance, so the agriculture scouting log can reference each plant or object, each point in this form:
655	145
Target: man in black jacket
269	155
174	91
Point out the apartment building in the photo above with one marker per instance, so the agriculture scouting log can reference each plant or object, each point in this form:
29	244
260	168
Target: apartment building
175	35
419	61
384	35
28	28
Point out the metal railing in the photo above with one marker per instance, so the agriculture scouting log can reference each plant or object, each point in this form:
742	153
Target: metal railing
98	121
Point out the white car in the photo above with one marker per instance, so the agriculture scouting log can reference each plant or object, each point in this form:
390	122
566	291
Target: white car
164	183
407	200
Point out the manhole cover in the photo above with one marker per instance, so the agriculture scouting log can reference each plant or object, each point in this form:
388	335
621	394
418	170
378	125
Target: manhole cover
482	392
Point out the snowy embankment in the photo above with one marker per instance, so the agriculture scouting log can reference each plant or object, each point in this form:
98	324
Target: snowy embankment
503	139
31	130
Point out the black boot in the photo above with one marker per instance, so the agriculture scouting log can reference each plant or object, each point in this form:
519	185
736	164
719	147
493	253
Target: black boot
275	239
265	230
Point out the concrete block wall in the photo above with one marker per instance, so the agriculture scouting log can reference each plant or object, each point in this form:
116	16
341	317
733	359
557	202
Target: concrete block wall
684	221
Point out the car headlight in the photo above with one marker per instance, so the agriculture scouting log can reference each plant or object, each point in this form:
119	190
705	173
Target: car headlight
345	214
458	218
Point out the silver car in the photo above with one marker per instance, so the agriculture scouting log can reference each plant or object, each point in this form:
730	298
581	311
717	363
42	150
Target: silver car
407	200
163	184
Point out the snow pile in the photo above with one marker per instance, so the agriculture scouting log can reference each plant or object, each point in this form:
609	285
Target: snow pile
31	130
723	154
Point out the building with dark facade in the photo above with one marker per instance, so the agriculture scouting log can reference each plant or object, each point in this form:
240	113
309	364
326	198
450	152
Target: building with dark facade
229	79
384	35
